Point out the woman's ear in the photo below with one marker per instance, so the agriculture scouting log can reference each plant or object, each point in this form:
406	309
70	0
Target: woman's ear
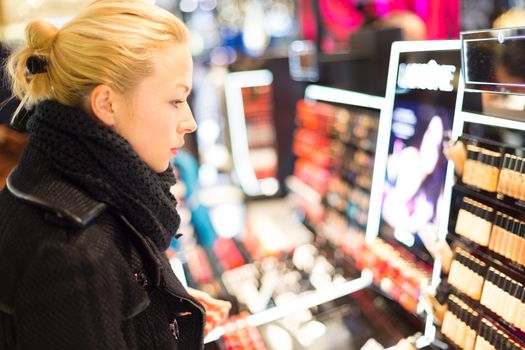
101	104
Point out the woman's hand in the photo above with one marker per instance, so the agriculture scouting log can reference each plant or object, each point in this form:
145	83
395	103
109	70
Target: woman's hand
216	310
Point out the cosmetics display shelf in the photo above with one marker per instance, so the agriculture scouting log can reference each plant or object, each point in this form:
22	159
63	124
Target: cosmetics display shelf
498	200
488	314
493	258
487	224
491	144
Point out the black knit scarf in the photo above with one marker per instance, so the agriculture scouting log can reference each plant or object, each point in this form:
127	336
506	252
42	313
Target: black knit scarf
105	165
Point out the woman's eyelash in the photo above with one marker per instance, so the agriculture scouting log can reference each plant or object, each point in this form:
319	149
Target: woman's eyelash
175	103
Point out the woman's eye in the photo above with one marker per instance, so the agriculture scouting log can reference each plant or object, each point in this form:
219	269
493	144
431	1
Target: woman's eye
176	103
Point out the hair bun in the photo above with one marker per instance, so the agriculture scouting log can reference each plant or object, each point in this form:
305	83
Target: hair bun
40	34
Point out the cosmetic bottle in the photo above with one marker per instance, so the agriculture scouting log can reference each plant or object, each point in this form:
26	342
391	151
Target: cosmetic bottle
490	167
513	172
496	229
470	164
463	217
504	222
504	176
507	237
477	284
481	339
521	254
520	317
514	306
470	338
514	189
520	181
500	294
447	321
517	242
486	294
487	216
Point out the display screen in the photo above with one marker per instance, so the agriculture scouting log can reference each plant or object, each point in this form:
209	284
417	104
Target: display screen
415	169
494	61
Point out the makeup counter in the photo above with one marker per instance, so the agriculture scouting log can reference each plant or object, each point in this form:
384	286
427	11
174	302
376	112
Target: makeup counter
379	237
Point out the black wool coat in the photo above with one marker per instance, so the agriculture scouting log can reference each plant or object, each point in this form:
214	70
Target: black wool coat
74	274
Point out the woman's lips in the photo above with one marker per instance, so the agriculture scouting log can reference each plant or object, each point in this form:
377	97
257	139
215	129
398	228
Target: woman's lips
174	151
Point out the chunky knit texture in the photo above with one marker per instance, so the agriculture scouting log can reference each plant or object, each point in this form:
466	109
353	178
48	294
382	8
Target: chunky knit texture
105	165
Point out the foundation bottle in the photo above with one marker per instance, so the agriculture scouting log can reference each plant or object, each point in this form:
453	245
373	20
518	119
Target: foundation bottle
513	178
507	303
475	225
516	302
457	332
514	239
461	334
463	217
515	249
480	337
467	277
486	292
488	335
470	277
521	254
502	232
491	168
471	331
507	238
496	228
496	292
504	175
490	332
520	317
452	321
480	272
462	273
511	188
486	226
447	321
470	164
502	296
520	182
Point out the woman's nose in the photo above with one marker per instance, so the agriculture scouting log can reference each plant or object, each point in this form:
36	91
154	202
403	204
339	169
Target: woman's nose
189	124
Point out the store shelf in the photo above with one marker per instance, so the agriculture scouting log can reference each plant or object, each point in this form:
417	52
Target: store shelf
499	201
303	302
489	314
494	259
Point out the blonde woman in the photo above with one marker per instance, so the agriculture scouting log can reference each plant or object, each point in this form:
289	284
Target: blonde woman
87	213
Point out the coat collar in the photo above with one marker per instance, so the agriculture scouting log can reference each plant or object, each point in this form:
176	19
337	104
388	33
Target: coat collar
36	182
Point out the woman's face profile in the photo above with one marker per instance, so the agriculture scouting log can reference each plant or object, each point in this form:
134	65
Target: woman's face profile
155	116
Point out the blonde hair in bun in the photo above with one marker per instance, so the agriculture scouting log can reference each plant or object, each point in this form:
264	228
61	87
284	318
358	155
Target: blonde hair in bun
110	42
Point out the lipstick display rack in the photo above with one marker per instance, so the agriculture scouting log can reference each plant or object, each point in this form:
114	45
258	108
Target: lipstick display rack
335	144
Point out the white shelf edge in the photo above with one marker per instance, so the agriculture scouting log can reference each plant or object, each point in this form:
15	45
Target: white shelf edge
303	302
